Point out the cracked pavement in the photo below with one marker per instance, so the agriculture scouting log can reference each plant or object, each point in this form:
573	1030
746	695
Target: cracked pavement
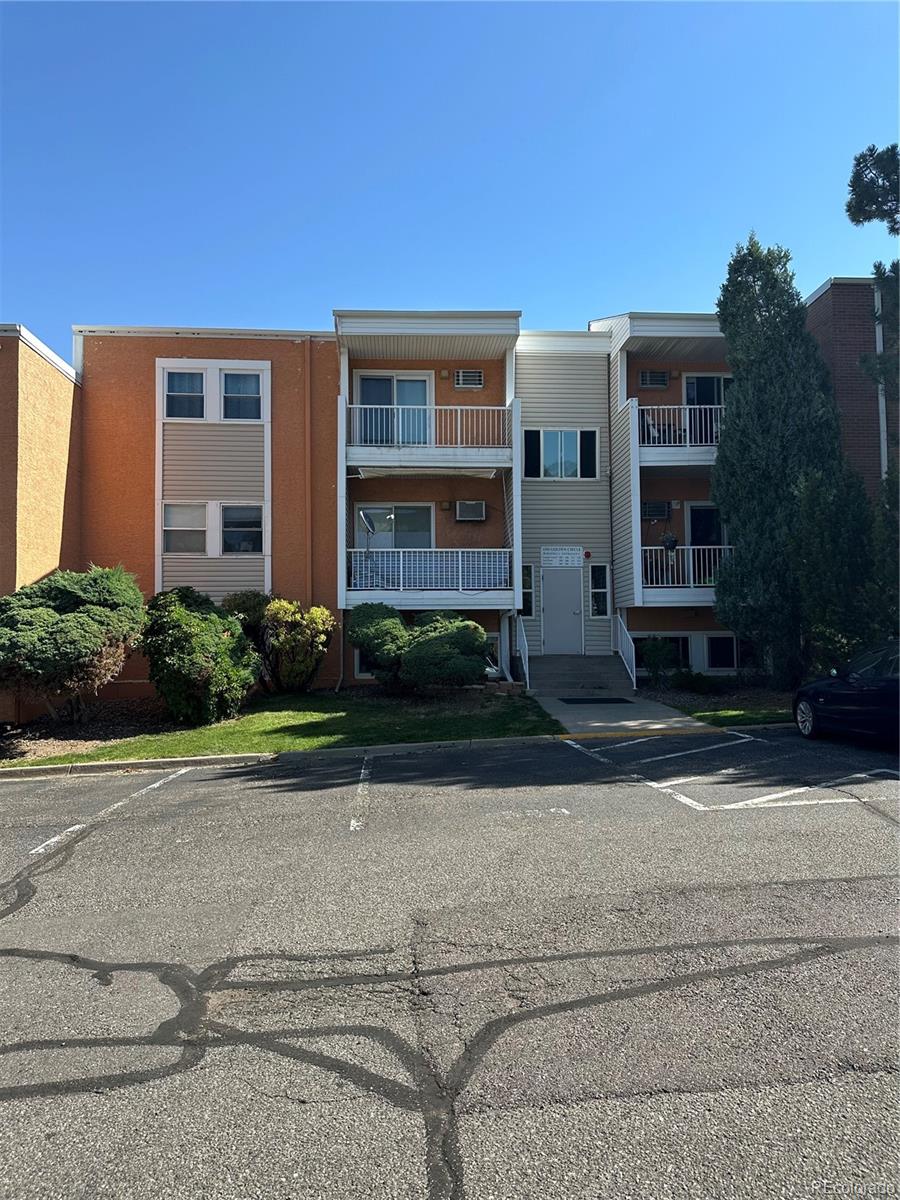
530	972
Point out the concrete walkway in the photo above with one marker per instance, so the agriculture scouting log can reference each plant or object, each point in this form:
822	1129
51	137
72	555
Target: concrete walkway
638	717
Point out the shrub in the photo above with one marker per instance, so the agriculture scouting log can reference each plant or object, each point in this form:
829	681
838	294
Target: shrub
249	607
447	653
201	661
65	636
379	632
657	657
295	642
693	681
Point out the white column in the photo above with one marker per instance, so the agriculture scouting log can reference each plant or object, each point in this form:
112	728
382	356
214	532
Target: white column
516	424
342	496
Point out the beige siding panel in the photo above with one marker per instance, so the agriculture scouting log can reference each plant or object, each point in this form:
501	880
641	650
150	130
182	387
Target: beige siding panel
620	494
215	576
567	390
213	461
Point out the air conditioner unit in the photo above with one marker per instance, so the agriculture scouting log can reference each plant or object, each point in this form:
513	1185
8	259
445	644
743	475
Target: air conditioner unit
471	510
656	510
654	379
464	378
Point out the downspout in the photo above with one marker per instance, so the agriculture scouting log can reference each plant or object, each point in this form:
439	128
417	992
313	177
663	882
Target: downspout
307	438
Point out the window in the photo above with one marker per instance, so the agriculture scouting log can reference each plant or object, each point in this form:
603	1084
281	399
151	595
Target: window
560	454
706	389
527	609
184	529
868	665
599	591
720	653
680	645
393	409
242	529
241	396
184	394
395	526
654	379
363	667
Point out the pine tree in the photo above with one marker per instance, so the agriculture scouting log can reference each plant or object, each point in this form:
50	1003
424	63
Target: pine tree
875	188
779	429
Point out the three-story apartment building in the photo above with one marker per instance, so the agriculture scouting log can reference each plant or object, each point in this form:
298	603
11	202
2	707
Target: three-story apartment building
554	486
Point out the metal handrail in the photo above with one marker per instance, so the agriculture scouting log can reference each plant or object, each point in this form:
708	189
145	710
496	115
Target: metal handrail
455	425
625	647
430	570
685	425
685	566
522	647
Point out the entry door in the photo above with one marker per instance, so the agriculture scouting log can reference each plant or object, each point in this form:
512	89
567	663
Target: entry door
561	598
704	525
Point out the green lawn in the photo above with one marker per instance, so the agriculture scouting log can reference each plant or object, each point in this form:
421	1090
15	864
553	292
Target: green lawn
323	720
742	716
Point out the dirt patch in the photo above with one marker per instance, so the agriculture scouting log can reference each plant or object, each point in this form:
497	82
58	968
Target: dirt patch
740	698
107	721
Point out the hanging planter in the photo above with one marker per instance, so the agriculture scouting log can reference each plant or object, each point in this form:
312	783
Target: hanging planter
668	541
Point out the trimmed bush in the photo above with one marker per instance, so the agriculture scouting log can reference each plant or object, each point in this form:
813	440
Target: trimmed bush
445	653
379	632
201	661
249	607
693	681
65	636
295	642
657	657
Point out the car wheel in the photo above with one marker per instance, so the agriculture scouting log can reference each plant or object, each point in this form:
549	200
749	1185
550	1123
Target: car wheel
806	719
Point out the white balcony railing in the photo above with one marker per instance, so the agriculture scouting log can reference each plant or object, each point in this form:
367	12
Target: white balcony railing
679	424
429	570
683	567
455	425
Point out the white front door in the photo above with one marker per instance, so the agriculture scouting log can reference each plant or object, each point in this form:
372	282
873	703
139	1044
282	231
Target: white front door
561	600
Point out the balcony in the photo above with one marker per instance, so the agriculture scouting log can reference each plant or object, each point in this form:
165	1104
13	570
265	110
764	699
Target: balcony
673	434
431	578
429	436
685	575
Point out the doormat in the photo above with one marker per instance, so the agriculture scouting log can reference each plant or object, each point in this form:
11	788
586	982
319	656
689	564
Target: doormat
593	700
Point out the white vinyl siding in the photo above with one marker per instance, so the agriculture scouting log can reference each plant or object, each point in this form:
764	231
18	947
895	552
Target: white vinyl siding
621	499
204	461
566	391
215	576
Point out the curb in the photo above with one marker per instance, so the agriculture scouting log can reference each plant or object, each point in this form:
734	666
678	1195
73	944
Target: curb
134	764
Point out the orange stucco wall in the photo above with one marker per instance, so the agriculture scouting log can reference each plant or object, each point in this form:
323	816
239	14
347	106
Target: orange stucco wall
9	443
119	376
655	487
658	620
437	490
492	394
677	368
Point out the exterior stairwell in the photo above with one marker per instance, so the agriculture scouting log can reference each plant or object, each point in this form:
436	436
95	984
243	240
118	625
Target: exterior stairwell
571	674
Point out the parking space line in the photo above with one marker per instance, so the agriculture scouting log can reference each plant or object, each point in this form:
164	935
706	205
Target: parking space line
653	737
53	840
361	809
810	787
740	739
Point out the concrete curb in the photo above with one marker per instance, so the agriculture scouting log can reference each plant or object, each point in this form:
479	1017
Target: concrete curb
289	757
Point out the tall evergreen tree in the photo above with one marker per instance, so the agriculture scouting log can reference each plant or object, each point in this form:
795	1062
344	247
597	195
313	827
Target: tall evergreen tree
779	429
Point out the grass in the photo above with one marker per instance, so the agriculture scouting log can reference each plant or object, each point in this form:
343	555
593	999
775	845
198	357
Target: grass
320	721
741	716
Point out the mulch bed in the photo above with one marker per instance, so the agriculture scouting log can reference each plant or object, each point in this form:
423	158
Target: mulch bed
740	698
107	721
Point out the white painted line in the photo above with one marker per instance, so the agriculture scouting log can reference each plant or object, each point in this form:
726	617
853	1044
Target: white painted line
105	812
810	787
358	819
660	787
654	737
53	841
742	737
590	753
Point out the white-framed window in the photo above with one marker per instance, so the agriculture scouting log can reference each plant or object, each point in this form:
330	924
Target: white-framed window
362	667
213	390
560	453
706	388
185	395
527	609
599	580
184	528
241	396
242	529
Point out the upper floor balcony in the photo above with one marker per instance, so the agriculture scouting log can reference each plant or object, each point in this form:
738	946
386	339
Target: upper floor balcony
425	578
683	575
678	434
430	435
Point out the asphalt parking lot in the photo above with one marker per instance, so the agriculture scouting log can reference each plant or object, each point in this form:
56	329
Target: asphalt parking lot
654	967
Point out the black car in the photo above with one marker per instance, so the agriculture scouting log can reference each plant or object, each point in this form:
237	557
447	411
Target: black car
861	697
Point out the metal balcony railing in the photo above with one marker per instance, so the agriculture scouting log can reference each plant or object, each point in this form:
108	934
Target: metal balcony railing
432	425
683	567
679	424
429	570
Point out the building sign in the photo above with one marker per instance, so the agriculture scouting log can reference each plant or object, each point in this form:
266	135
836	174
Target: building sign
562	556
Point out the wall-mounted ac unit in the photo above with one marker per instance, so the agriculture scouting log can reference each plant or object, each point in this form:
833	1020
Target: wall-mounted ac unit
656	510
654	379
471	510
465	378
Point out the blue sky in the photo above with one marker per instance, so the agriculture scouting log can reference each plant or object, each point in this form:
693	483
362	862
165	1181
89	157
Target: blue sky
260	164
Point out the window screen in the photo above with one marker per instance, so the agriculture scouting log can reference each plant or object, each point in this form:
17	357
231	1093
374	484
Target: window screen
241	400
184	394
242	529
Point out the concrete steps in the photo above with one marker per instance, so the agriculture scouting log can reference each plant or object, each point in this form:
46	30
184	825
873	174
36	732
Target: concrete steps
572	674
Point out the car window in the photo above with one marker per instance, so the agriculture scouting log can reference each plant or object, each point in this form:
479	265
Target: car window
891	667
866	665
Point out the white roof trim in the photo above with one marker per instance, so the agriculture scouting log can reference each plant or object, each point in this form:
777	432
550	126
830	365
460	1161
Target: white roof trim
34	343
563	341
438	313
625	326
175	331
823	287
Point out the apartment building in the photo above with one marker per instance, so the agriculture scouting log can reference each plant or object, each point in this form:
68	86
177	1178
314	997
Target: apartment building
554	486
